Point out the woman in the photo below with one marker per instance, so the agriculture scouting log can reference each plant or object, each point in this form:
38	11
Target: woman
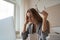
34	19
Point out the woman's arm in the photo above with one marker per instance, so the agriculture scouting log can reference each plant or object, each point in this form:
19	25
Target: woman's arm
44	17
24	29
25	32
44	27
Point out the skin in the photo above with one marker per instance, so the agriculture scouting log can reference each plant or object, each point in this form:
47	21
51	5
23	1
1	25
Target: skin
44	17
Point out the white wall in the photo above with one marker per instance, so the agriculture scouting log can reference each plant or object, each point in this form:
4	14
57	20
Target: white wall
17	16
21	15
42	3
54	15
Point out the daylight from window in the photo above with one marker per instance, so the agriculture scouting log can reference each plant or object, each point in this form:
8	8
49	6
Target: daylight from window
6	9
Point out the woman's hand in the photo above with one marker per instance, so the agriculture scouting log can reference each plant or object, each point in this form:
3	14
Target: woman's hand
44	15
26	22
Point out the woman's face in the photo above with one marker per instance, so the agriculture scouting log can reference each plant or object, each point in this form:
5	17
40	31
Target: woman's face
30	17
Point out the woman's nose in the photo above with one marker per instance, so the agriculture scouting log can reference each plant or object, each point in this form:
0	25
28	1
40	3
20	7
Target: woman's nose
29	18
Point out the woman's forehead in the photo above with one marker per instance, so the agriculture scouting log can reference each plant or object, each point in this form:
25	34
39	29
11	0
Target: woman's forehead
29	14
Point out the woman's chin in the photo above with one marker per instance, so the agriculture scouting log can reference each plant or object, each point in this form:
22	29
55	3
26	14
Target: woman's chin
30	22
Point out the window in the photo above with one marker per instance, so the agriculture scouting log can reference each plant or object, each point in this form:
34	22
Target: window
6	9
7	31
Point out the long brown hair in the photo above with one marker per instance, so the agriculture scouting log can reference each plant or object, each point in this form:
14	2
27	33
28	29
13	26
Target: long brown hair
35	14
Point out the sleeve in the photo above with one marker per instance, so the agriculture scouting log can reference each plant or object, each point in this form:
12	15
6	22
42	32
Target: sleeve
48	26
39	29
28	31
25	34
47	30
